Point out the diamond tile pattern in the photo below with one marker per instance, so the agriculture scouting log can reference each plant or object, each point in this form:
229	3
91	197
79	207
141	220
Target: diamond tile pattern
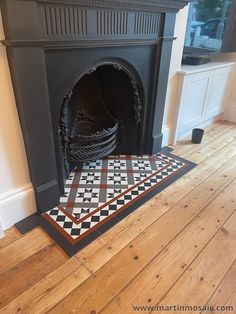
103	188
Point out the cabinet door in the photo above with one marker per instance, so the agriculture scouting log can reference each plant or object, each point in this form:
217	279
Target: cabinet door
217	93
193	100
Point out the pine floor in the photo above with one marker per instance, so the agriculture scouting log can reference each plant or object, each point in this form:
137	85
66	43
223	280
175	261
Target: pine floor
177	249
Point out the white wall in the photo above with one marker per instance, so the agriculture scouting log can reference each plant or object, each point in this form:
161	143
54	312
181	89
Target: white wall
16	193
171	97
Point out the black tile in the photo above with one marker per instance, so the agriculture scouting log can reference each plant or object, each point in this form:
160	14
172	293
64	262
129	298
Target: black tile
75	232
95	219
112	207
128	197
120	202
60	218
54	211
104	213
67	225
85	225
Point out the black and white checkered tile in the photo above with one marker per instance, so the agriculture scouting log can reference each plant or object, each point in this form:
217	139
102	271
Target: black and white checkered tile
88	211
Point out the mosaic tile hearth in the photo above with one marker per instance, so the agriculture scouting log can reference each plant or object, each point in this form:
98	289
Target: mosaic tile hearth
99	190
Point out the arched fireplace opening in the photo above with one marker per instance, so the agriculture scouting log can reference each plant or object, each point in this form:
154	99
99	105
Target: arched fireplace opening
102	114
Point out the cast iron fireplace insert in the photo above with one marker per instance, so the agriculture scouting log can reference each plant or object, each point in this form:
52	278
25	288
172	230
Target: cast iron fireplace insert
101	114
56	47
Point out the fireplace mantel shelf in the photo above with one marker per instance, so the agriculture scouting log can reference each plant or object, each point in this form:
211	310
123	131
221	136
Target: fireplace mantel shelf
147	5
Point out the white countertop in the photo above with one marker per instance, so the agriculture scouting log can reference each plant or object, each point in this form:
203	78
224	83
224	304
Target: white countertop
189	69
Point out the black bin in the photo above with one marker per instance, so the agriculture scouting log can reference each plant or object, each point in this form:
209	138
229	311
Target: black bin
197	136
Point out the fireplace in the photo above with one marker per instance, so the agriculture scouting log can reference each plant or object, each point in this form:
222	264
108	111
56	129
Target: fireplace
90	79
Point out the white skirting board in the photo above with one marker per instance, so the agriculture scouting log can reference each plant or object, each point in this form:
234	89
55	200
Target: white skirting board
230	112
16	205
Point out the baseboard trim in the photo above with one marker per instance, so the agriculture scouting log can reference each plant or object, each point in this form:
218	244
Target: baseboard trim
16	205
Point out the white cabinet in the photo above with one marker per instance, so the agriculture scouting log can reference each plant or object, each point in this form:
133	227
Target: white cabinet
202	92
217	92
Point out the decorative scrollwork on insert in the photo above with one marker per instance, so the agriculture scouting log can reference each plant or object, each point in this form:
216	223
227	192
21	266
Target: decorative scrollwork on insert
63	134
137	102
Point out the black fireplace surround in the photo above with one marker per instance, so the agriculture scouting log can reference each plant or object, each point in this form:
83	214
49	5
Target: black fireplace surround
65	56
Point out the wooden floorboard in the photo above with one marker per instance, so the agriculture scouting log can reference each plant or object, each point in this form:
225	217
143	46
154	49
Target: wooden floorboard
26	246
178	248
49	290
30	271
207	270
11	235
225	294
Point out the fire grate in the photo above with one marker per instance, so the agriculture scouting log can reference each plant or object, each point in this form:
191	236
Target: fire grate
90	141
